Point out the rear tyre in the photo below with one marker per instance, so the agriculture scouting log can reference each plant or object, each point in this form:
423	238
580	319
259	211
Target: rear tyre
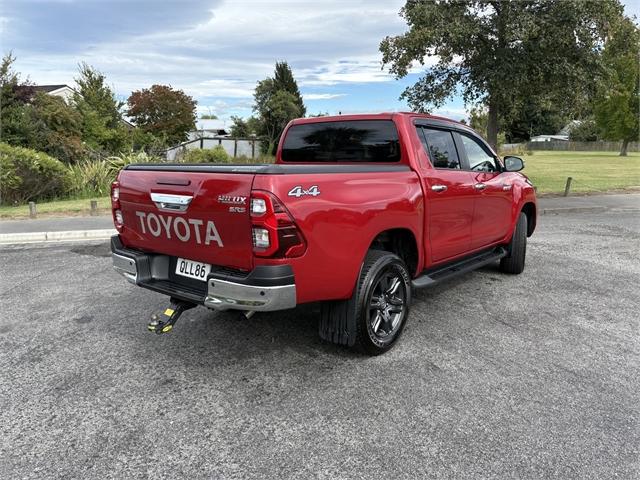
514	261
373	319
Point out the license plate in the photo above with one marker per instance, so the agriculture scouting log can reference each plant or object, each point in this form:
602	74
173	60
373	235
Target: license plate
191	269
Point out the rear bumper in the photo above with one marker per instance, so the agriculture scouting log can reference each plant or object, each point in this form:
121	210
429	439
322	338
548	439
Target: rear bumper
266	288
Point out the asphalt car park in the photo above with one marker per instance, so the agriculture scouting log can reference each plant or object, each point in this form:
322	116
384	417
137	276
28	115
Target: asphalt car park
496	376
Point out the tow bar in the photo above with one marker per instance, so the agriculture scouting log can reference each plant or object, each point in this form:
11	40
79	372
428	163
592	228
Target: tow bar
164	322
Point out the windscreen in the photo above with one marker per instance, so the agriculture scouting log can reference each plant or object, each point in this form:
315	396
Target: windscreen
346	141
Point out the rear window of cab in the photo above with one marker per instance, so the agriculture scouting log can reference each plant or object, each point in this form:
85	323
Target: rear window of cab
342	141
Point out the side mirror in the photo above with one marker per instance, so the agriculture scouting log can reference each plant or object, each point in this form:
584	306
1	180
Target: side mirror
513	164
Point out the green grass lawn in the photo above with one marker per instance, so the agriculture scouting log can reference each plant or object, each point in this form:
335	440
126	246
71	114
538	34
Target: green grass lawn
58	208
592	172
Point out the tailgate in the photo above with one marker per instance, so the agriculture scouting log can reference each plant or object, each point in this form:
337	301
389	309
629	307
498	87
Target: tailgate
202	216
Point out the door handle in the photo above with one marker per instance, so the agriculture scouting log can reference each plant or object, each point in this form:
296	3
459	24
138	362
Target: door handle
479	186
166	201
438	188
506	187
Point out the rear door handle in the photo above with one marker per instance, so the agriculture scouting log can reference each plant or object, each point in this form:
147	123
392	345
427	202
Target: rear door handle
438	188
176	203
479	186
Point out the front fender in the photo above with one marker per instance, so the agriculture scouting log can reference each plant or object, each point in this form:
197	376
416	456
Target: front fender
524	199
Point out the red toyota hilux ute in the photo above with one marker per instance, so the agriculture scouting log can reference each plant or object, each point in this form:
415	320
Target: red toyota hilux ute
356	212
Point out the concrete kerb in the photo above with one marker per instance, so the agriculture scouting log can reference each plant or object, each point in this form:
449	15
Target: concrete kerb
73	235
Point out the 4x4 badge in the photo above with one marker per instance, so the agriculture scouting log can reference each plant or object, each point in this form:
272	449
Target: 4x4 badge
298	191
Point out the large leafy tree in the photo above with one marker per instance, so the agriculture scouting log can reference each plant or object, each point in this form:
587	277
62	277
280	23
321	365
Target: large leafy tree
498	53
276	102
165	112
617	106
103	129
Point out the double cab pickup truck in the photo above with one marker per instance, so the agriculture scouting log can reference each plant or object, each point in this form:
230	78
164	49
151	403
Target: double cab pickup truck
356	212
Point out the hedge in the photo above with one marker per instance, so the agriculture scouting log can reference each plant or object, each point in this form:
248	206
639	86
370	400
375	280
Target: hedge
212	155
27	175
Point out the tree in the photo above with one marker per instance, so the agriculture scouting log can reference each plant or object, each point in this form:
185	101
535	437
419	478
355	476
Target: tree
497	52
478	120
15	93
276	102
36	120
585	130
284	81
533	116
617	106
102	127
57	128
244	128
165	112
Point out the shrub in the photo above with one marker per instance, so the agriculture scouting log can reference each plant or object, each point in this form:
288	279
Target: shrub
91	178
117	163
26	174
212	155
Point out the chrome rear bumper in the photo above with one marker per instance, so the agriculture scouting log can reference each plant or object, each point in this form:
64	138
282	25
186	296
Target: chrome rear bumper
266	288
125	266
224	295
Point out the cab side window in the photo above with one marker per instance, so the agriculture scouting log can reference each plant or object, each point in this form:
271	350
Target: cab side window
479	159
441	148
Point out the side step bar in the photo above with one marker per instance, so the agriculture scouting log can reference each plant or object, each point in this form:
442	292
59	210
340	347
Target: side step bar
437	275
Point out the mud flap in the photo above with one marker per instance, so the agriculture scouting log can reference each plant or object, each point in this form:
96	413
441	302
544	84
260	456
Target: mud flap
338	322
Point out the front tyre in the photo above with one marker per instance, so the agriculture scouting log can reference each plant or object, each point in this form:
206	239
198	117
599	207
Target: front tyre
514	261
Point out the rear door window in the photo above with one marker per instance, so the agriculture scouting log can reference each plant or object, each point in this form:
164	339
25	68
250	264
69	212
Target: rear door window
441	148
344	141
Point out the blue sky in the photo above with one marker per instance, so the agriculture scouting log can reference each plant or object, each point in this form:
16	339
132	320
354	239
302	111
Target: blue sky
216	50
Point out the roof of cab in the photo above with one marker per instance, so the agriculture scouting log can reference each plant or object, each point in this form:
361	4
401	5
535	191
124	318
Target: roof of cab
370	116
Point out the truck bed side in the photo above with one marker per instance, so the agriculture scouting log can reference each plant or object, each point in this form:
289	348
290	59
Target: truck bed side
341	222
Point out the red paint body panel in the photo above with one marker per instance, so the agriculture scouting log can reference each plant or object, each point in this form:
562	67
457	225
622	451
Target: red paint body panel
340	223
234	228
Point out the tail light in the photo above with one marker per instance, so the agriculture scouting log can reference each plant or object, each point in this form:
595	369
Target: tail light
118	219
273	230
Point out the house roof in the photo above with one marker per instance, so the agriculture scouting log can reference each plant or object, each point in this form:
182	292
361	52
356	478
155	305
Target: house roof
538	138
49	88
32	89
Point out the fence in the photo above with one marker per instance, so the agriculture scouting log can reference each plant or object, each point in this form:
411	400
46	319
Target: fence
235	147
575	146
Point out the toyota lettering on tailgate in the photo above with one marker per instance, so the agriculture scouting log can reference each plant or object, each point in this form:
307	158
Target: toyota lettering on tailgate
182	228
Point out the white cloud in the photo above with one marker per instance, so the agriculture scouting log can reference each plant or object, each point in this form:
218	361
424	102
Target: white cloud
335	42
452	112
322	96
223	108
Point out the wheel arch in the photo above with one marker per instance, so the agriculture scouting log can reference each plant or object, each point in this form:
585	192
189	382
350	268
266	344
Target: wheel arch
402	242
529	209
